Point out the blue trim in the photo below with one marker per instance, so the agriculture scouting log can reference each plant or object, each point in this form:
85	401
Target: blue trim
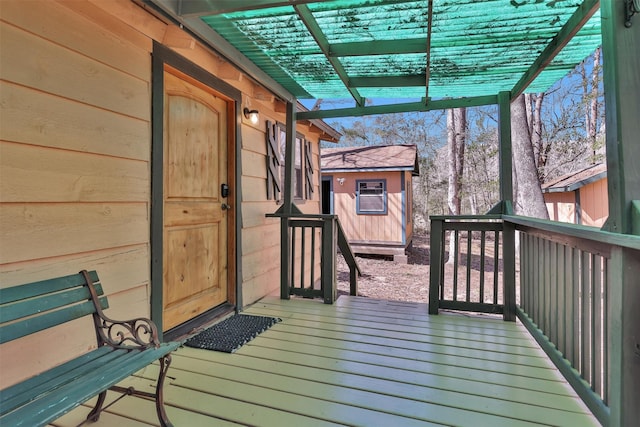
403	202
384	195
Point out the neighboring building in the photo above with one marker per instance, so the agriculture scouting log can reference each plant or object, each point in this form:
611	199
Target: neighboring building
370	189
579	197
125	148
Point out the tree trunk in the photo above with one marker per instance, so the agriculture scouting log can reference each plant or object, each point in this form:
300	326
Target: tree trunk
528	197
456	140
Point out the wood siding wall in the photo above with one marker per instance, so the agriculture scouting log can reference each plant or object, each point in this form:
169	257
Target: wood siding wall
374	229
561	206
594	201
592	206
75	144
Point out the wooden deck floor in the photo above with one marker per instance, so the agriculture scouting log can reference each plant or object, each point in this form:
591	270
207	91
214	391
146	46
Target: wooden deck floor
361	362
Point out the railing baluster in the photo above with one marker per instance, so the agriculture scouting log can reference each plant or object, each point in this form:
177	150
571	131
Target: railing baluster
560	292
483	244
585	317
293	256
553	292
596	324
469	254
456	251
303	247
496	266
313	258
577	341
605	331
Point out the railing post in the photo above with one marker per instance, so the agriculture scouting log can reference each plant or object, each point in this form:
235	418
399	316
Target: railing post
509	272
329	250
285	259
435	263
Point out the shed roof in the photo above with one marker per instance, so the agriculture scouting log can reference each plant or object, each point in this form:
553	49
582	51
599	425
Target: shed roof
371	158
416	49
576	180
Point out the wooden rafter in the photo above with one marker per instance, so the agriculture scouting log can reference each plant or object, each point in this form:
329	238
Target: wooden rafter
316	32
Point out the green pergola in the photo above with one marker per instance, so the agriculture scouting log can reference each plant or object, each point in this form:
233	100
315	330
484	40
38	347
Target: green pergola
423	55
440	54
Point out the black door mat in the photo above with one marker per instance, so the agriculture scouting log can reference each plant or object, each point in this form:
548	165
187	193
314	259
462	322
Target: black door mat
232	333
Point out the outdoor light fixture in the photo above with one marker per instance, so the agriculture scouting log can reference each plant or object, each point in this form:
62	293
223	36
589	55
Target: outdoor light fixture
252	115
340	181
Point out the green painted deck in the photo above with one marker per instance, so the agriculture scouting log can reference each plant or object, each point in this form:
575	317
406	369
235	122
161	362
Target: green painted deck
361	362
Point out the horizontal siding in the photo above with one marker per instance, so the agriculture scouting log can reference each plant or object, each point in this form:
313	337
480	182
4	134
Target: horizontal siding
37	118
70	228
385	228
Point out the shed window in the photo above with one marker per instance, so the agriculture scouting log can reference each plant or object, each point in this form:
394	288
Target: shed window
371	197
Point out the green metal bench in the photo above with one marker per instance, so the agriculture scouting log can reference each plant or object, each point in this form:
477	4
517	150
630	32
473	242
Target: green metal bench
124	347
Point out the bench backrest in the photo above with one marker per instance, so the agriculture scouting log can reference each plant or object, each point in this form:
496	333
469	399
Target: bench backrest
33	307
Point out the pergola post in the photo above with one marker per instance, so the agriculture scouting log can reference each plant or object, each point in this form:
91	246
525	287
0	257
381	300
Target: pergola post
622	88
287	208
505	157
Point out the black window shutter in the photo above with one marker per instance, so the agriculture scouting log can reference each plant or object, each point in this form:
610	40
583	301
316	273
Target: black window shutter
273	162
308	170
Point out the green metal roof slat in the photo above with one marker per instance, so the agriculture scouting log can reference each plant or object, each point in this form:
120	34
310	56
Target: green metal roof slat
317	33
570	28
214	7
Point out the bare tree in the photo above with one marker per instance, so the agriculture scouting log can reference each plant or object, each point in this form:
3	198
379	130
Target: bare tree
590	96
528	194
456	140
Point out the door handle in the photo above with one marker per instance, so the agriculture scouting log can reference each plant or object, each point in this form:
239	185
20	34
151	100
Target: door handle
225	207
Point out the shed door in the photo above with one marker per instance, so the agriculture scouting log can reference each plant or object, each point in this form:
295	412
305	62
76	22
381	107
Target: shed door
195	219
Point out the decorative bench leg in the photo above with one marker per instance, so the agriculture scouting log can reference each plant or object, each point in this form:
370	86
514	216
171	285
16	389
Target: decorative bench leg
162	415
94	415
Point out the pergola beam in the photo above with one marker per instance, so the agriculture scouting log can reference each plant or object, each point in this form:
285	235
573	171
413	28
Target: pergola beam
442	104
580	17
378	47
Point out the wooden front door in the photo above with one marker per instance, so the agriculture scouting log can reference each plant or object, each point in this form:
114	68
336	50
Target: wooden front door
195	219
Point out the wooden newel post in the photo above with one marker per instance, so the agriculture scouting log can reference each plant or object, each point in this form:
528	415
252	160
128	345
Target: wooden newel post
329	250
435	263
285	259
509	272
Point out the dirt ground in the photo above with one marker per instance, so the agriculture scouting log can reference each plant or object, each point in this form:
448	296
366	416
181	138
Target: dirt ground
383	278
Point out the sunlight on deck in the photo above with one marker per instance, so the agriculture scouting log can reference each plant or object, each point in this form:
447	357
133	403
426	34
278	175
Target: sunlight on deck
361	362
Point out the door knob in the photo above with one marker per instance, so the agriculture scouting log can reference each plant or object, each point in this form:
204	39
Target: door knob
225	207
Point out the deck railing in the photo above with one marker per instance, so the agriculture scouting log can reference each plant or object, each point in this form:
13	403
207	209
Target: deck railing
469	273
564	288
309	248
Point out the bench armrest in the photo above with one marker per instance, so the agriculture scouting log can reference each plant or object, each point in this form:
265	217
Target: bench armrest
138	333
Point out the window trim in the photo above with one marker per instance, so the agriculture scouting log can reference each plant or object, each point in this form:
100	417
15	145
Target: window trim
384	211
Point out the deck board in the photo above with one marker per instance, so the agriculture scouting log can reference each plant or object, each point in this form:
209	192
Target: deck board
363	362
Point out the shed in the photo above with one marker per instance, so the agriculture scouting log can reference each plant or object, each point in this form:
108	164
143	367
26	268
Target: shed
370	189
579	197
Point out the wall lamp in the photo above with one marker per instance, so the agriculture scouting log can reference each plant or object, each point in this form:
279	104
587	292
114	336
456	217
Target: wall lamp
252	115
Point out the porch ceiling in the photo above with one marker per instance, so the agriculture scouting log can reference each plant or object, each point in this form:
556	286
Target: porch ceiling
422	51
